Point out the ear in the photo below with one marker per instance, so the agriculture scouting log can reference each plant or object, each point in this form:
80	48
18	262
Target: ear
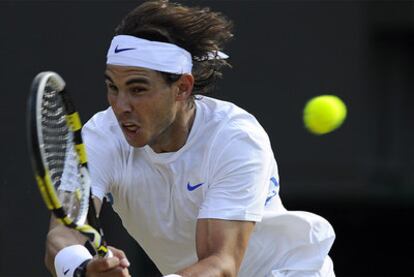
185	87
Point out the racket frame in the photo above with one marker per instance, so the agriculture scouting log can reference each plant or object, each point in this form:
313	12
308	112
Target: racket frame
92	230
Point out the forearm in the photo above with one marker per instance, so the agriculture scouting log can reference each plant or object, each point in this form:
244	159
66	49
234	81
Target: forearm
211	266
58	238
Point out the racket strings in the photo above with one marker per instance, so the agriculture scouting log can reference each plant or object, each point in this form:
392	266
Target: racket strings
60	154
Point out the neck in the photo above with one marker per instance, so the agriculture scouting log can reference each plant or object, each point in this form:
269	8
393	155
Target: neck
175	136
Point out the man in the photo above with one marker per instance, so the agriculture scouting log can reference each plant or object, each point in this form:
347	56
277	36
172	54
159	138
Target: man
193	179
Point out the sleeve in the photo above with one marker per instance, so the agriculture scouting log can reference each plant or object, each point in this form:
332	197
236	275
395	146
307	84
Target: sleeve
101	157
240	174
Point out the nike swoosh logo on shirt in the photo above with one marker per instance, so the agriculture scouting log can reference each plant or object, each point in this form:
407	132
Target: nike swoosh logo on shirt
117	50
191	188
66	271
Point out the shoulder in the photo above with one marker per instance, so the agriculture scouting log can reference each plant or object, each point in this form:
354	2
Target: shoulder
106	149
218	110
234	137
229	122
103	125
101	122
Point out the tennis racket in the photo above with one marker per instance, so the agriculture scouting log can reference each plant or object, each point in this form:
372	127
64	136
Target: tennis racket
59	158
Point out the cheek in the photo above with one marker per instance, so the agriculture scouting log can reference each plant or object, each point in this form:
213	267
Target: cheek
112	99
167	113
158	113
109	98
148	113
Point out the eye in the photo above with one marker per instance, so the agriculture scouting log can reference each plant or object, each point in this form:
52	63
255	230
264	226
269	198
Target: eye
111	87
137	89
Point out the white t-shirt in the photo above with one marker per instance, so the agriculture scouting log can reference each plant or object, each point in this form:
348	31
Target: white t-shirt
225	170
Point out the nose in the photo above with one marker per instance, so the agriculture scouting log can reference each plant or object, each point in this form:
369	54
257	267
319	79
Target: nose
121	102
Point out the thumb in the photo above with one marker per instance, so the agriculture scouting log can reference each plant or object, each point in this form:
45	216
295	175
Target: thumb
99	264
123	260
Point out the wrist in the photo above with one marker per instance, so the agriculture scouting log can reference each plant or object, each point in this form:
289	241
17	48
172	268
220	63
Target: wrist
80	271
70	258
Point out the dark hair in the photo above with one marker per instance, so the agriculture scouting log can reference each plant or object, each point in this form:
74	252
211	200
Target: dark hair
198	30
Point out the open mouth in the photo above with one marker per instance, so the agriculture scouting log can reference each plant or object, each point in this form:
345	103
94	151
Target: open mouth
130	129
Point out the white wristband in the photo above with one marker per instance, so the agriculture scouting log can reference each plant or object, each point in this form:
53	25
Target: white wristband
69	258
172	275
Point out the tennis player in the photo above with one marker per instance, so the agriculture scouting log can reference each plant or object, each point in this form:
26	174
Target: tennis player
193	178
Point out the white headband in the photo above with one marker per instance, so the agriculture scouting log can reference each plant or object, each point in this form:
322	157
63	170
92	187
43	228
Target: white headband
161	56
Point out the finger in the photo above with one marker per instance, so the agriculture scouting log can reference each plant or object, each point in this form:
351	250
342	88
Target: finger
99	264
115	272
117	252
124	263
125	272
121	256
118	272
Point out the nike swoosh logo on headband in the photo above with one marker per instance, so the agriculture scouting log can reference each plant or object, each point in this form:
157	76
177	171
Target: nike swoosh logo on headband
117	50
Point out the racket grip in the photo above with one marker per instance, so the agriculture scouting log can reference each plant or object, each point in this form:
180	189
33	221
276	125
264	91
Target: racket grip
88	244
92	250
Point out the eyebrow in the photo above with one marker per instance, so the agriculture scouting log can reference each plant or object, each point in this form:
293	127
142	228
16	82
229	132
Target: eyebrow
137	80
106	76
131	81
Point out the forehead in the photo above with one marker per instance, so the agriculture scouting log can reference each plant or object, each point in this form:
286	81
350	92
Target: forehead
118	72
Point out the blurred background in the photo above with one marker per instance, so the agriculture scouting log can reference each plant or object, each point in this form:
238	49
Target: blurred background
360	177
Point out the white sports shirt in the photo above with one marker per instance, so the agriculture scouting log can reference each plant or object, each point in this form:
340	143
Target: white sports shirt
225	170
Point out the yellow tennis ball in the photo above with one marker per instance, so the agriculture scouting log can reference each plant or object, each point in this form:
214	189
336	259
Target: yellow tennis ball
323	114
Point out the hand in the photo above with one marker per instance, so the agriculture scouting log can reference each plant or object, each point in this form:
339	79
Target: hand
116	266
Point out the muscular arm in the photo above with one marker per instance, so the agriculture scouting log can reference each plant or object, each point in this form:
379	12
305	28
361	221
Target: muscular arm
221	245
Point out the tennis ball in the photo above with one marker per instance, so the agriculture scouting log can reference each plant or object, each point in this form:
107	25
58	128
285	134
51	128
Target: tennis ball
323	114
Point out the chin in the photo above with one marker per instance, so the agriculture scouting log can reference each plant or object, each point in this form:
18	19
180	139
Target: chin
136	144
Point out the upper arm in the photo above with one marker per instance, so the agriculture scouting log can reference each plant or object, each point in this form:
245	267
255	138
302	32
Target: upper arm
241	171
226	239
